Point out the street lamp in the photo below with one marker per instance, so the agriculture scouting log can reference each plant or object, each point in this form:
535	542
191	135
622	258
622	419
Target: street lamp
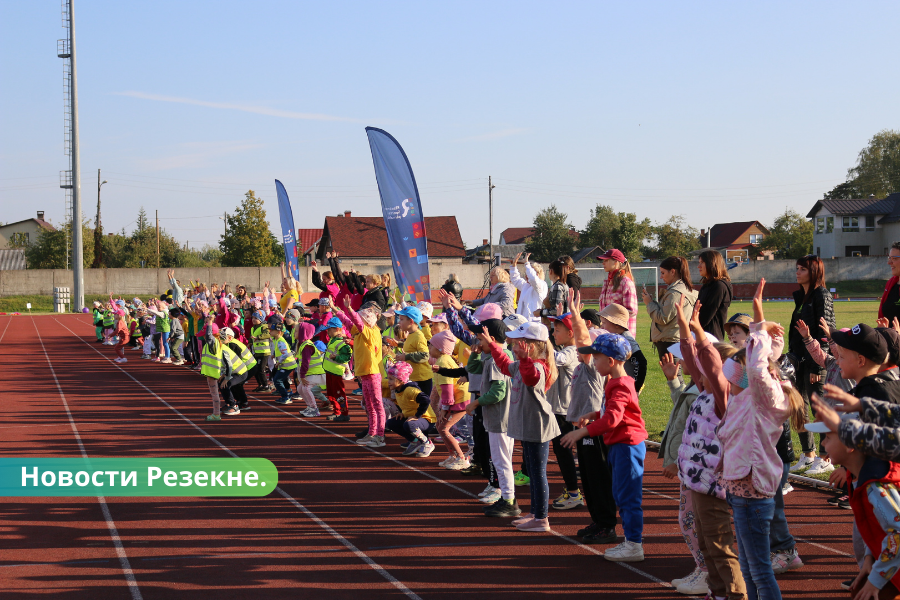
98	231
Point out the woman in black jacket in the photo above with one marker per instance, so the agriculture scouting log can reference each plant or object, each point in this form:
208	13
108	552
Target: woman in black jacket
715	294
812	303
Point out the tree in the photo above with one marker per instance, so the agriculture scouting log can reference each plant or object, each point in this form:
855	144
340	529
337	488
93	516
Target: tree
552	237
601	228
674	238
247	241
48	251
18	240
791	236
630	235
877	170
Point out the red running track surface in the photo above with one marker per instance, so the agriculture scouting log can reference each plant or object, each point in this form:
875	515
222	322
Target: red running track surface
346	522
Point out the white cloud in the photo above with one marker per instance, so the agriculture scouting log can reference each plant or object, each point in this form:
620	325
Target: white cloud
196	154
494	135
258	110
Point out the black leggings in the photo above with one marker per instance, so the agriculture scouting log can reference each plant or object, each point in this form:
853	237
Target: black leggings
425	386
807	389
596	481
564	457
482	452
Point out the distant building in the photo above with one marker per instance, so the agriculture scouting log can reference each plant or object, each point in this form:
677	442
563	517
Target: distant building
30	228
521	235
737	241
858	227
308	243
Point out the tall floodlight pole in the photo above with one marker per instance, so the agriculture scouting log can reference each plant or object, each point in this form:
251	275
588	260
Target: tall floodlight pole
77	242
491	220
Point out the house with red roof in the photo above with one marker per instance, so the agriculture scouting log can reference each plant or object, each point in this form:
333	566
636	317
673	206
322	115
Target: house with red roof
364	239
308	241
521	235
737	241
26	231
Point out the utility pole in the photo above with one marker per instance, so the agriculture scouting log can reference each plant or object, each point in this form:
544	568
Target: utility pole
491	219
225	222
157	239
77	248
98	230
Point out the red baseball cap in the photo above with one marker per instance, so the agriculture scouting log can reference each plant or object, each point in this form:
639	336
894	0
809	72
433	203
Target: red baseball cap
565	319
613	254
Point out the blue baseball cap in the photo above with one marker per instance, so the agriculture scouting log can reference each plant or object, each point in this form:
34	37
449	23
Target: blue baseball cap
320	345
412	313
609	344
334	322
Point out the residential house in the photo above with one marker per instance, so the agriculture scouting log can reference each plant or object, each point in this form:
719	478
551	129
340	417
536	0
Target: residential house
308	243
857	227
27	230
364	241
737	241
521	235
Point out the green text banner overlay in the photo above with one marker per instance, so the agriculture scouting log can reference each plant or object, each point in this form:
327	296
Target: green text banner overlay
137	476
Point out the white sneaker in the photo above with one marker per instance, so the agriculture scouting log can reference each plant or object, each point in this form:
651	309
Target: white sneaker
625	552
694	586
459	464
425	450
820	466
123	361
364	441
376	441
803	463
491	498
693	575
787	488
488	490
117	360
447	461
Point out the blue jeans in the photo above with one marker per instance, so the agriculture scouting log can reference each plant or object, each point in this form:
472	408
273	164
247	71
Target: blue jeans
752	521
282	384
164	341
535	456
626	464
780	538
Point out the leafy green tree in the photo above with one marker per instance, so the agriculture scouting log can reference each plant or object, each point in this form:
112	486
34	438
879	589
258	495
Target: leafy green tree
48	251
674	238
877	170
791	236
630	235
248	241
552	237
18	240
601	228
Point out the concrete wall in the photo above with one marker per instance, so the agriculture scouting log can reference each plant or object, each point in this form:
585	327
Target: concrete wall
144	282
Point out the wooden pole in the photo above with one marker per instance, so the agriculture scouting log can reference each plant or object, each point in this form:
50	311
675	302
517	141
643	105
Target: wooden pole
157	239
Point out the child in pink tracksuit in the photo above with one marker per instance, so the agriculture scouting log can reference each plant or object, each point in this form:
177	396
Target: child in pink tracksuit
121	334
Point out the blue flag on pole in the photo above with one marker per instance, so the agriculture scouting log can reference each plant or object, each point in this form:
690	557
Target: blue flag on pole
288	237
402	210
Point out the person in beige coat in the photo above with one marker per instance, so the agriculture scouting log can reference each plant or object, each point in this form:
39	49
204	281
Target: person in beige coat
664	327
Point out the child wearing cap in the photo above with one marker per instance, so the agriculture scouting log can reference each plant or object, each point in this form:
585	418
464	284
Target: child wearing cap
559	396
285	362
311	371
452	406
614	319
415	415
415	347
623	430
531	418
338	353
261	345
737	328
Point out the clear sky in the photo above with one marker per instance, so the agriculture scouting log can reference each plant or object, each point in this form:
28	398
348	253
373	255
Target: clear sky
718	111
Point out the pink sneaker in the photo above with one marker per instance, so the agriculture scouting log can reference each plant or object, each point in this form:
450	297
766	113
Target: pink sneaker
154	359
524	518
535	525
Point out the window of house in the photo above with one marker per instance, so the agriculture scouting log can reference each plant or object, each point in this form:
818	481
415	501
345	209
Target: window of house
829	224
870	222
820	224
756	238
850	224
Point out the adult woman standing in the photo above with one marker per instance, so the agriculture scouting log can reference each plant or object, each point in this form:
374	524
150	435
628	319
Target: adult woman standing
812	303
890	300
619	286
716	294
502	292
664	328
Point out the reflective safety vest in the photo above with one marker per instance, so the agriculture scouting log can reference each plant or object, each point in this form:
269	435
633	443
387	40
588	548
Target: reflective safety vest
261	346
163	324
237	365
334	346
246	356
316	361
287	360
211	362
108	319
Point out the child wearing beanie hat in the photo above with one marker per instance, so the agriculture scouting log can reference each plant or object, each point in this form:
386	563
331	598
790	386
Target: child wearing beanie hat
415	411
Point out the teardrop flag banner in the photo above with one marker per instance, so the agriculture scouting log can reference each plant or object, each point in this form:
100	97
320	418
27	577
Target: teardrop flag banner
288	235
402	211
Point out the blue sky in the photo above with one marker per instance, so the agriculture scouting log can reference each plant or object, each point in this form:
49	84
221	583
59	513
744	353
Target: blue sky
715	111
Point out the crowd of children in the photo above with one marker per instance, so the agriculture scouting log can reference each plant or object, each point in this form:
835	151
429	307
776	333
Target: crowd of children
478	381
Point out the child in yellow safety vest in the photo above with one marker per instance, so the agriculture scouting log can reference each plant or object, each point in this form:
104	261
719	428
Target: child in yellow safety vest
285	362
211	367
311	372
337	354
261	343
240	360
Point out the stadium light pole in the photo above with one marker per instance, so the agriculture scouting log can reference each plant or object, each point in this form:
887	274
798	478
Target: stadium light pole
77	242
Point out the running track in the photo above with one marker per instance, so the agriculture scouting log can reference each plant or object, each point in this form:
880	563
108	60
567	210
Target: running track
345	522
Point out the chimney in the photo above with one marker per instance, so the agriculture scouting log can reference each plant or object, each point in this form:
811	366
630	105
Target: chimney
40	214
484	242
347	213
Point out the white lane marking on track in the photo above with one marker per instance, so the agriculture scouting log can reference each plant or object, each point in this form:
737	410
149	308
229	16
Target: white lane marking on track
8	321
110	524
347	543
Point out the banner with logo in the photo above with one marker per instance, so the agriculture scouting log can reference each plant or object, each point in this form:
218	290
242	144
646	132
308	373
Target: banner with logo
402	211
288	233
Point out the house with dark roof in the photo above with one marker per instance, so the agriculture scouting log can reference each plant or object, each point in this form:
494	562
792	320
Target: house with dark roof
521	235
737	241
856	227
364	239
27	230
308	242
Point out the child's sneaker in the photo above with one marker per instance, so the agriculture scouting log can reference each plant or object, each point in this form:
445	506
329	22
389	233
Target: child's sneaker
491	498
567	500
341	418
522	519
145	356
521	479
625	552
693	575
820	466
155	359
414	446
167	361
363	441
283	401
310	412
376	441
231	410
425	450
503	508
536	525
787	488
446	461
123	360
177	363
694	584
488	490
803	463
782	562
459	464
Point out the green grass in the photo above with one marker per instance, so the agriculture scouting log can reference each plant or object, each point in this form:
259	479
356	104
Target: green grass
39	304
867	289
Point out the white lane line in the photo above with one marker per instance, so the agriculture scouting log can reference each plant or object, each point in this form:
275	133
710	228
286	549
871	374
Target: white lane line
347	543
8	321
110	524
